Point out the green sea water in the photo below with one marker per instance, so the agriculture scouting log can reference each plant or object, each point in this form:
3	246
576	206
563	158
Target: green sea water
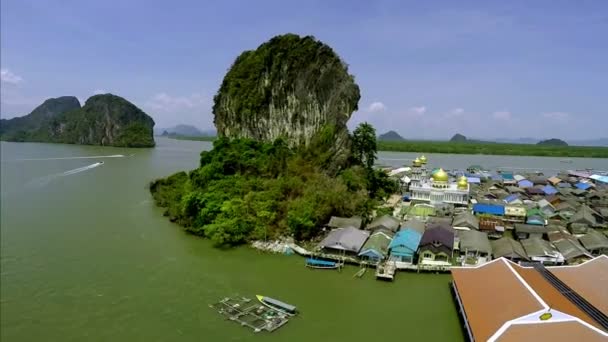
86	256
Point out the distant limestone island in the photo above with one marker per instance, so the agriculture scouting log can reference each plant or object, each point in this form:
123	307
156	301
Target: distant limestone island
552	142
184	131
104	120
390	136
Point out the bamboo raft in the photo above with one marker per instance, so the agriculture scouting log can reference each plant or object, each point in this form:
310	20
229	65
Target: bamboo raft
251	314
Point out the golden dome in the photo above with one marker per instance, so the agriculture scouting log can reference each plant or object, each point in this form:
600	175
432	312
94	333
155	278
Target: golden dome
423	160
417	162
463	182
440	176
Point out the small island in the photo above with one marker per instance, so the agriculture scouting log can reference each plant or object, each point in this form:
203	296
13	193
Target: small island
390	136
552	142
105	120
284	162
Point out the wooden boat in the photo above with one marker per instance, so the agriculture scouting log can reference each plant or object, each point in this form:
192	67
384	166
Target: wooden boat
277	304
321	264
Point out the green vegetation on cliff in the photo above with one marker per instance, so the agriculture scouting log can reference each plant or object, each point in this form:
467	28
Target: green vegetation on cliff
107	120
246	189
289	87
284	162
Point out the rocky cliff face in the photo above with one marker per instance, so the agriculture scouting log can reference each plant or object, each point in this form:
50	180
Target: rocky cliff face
106	120
290	87
18	129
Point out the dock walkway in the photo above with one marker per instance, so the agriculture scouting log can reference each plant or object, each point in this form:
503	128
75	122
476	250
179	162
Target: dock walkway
386	270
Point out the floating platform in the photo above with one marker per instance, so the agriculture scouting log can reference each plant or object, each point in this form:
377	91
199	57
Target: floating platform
251	314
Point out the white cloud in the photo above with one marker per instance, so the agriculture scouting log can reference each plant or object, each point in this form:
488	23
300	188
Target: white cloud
375	107
418	110
502	115
168	110
7	76
559	116
455	112
99	91
164	102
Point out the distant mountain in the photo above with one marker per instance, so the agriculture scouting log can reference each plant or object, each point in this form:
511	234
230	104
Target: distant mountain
105	119
390	136
185	130
458	138
552	142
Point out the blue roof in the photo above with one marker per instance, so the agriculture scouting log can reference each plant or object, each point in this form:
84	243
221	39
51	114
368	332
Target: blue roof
495	177
493	209
549	190
511	198
524	183
536	220
507	175
474	180
408	238
582	186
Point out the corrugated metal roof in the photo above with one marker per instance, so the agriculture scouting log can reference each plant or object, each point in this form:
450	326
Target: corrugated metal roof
511	198
473	241
493	209
408	238
524	183
347	239
549	190
582	186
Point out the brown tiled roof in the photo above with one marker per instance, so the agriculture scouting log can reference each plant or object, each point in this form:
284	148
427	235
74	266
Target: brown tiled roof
551	295
590	280
487	308
550	331
504	309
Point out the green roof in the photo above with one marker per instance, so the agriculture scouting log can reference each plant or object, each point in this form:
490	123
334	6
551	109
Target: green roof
378	242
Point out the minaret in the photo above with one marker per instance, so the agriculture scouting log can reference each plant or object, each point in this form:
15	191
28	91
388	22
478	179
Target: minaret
416	173
423	173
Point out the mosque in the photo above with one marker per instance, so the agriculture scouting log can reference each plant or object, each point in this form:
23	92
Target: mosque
437	188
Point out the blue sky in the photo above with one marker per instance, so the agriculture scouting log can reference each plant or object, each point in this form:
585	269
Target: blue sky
427	69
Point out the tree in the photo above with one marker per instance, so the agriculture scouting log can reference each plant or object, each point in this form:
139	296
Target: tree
364	145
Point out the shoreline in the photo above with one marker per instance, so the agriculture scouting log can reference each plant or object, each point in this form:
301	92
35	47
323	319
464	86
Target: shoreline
473	148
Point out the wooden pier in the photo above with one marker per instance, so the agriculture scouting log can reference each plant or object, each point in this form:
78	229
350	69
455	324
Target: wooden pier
386	270
251	314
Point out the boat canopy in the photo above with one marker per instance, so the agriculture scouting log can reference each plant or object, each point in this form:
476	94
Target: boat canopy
317	262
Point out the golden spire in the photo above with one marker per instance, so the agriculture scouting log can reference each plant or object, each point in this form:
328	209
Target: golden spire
423	159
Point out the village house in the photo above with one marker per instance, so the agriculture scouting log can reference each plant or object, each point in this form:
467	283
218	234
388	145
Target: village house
465	221
595	242
542	251
387	221
436	247
345	241
506	247
375	249
403	247
474	247
525	231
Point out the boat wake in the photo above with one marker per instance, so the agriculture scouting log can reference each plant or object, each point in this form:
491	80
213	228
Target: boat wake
47	179
81	169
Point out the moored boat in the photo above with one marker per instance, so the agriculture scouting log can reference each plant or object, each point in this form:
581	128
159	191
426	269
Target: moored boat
321	264
277	304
